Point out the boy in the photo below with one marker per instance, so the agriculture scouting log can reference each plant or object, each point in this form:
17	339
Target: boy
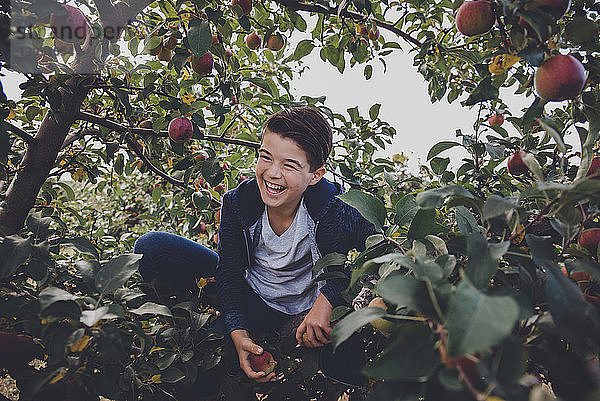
273	229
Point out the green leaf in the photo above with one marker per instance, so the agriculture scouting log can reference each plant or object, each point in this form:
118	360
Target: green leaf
440	147
91	317
411	357
199	37
50	295
435	197
332	259
368	71
153	309
483	259
406	209
422	223
352	322
476	321
582	31
212	171
571	312
201	200
405	290
374	111
82	245
369	206
589	266
466	221
497	206
115	273
14	251
439	165
484	91
172	375
304	48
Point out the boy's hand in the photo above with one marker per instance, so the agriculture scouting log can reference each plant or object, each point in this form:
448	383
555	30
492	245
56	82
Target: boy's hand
245	346
316	324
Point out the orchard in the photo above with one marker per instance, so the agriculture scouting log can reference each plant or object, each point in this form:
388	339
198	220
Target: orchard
483	282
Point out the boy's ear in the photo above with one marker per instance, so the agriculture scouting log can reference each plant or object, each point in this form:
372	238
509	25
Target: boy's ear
317	175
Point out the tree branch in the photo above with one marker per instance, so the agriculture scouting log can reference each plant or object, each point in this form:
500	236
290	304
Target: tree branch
82	115
28	139
317	8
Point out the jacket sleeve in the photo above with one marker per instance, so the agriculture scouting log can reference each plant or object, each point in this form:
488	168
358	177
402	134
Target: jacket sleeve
230	268
358	229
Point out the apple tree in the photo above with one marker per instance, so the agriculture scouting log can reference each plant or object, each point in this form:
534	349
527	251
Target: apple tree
138	115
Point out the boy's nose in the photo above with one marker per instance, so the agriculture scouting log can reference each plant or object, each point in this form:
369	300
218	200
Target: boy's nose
274	171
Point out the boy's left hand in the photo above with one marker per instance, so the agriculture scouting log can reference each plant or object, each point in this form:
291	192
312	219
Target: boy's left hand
316	324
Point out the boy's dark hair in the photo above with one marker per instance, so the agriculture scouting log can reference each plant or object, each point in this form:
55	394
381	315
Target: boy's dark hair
308	128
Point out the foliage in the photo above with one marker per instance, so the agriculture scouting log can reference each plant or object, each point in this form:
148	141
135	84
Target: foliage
488	290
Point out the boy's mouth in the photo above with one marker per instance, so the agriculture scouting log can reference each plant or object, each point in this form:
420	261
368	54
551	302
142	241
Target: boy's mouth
274	189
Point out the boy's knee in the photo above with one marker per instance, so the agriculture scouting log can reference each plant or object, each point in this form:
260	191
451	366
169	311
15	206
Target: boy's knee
146	242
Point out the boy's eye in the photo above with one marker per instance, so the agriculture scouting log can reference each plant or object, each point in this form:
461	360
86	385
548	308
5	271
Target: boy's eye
290	166
265	157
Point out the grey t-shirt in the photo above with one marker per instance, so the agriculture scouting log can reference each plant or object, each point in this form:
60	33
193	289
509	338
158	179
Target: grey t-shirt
282	270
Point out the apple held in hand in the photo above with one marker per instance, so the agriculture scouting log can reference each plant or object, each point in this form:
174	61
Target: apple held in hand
384	326
253	41
204	64
561	77
516	165
181	129
474	17
589	239
262	363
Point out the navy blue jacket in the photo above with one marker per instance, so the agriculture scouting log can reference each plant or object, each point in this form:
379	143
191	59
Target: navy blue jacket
339	228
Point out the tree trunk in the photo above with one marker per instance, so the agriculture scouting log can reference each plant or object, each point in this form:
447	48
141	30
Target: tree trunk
39	159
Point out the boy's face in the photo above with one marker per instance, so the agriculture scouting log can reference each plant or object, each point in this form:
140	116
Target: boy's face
283	172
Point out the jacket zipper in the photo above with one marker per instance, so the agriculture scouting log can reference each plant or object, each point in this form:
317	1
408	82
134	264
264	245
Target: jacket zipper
247	246
318	250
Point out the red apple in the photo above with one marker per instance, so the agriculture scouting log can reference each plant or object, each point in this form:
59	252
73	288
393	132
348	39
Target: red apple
203	65
474	17
496	119
589	239
558	8
263	362
560	77
594	168
228	53
215	39
17	350
181	129
516	165
70	26
384	326
362	30
275	42
245	4
200	157
253	41
202	227
220	188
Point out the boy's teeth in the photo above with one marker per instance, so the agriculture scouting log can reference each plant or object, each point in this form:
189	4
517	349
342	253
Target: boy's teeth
274	187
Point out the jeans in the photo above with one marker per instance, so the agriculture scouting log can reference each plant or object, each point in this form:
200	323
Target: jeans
180	262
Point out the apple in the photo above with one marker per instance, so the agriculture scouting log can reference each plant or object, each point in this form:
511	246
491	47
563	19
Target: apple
263	362
275	42
203	65
202	227
165	54
474	17
374	34
362	30
146	124
181	129
384	326
171	43
245	4
594	168
516	165
558	8
215	39
589	239
228	53
560	77
16	350
200	157
253	41
496	119
220	188
71	26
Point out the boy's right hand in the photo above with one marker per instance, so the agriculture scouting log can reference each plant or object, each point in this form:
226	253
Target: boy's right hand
244	347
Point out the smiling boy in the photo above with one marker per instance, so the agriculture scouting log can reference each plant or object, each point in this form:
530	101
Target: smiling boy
273	229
